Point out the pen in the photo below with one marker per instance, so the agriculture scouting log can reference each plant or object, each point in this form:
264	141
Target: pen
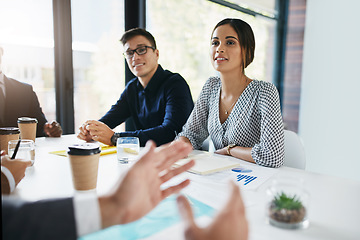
16	149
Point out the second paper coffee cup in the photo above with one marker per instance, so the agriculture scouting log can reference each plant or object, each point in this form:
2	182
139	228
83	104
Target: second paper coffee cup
84	162
27	127
7	134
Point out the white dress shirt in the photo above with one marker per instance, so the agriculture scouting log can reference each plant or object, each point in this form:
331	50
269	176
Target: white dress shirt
87	213
86	208
9	177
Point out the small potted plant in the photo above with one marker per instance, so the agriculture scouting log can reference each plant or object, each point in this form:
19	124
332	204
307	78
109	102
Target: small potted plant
286	210
287	204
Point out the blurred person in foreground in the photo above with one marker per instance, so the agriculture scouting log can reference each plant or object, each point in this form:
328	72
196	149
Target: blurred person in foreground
18	99
135	195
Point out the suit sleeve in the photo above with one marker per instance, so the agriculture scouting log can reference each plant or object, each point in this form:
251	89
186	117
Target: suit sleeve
36	111
47	219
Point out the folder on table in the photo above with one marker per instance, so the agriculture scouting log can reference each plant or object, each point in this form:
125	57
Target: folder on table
105	149
206	163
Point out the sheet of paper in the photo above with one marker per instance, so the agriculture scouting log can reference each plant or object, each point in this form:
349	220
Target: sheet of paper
250	176
105	150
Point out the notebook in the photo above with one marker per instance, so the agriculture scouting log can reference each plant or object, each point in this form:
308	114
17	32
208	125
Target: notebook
207	163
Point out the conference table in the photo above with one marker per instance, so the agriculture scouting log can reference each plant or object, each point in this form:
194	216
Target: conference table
333	209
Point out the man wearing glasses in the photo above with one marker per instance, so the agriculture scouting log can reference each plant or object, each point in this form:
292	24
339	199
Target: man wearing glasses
158	101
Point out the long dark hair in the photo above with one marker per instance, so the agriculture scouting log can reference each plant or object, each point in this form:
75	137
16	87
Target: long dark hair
246	38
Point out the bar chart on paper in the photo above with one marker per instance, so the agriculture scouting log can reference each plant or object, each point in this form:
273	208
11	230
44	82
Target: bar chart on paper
251	176
247	179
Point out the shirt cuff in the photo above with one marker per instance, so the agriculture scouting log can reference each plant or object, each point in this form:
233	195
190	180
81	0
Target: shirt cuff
87	213
10	177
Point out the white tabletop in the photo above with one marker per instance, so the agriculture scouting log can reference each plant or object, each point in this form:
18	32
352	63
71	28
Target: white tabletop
334	209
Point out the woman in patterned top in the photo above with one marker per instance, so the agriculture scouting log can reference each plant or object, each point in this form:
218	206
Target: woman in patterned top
241	115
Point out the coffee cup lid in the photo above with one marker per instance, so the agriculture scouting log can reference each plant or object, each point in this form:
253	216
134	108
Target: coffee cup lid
84	149
9	130
27	120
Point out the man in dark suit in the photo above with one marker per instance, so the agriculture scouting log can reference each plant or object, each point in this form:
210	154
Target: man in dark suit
19	100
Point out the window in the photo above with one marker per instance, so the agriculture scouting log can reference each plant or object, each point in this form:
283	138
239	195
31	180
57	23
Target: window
98	63
182	30
27	38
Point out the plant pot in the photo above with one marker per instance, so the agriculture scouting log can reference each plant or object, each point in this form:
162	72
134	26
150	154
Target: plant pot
287	203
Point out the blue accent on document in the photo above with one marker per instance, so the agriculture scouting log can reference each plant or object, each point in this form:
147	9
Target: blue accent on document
241	169
163	216
248	179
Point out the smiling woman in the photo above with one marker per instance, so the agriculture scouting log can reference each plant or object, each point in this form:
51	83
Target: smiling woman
241	115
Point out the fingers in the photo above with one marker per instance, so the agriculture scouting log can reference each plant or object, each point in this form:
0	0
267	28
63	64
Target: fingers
185	210
25	163
236	198
83	136
172	153
53	129
174	189
235	202
176	171
147	154
5	157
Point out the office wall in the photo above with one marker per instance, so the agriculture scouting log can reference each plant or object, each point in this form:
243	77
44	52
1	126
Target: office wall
329	121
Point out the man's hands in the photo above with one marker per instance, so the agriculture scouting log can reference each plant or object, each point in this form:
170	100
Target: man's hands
53	129
95	130
229	224
17	167
139	191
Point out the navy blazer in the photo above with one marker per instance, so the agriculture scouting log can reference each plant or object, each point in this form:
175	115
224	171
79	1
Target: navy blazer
21	101
47	219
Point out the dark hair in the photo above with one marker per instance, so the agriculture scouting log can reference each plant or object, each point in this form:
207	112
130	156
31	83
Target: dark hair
136	32
245	35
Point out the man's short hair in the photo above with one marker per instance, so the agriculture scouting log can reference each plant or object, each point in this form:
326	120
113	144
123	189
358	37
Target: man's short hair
136	32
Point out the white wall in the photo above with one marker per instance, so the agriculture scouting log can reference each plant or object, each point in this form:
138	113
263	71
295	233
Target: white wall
329	121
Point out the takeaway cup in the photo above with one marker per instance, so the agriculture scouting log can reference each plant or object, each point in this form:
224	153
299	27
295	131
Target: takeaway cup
84	162
7	134
27	127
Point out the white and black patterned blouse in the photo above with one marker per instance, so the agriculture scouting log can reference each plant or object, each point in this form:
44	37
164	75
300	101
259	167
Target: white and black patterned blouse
255	121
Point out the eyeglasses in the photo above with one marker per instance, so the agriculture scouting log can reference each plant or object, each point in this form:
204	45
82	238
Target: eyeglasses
139	51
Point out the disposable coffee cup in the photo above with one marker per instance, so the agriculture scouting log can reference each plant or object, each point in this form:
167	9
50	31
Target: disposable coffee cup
84	162
7	134
27	127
